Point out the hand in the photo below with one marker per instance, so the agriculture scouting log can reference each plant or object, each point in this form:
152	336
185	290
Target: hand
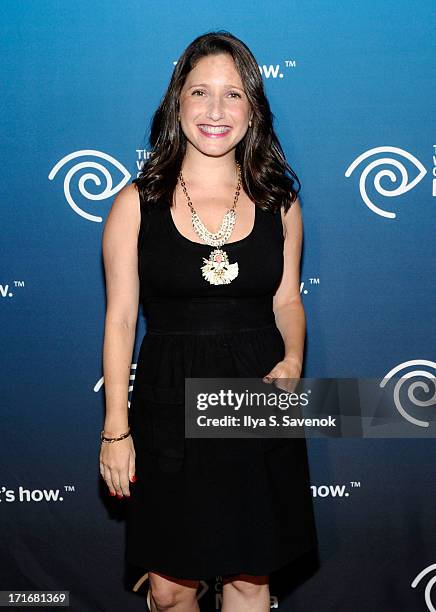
117	465
287	369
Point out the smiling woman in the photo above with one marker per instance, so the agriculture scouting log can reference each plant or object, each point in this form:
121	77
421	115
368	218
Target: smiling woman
207	98
208	238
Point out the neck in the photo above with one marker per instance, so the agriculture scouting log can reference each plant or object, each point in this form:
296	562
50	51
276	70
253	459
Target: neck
200	169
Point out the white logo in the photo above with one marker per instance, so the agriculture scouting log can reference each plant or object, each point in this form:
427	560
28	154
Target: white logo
99	384
402	187
109	189
418	384
272	71
429	586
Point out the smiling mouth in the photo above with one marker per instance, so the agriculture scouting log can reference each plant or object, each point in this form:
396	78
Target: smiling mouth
212	129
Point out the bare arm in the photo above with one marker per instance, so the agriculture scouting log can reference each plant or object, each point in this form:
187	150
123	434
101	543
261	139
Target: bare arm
287	304
120	257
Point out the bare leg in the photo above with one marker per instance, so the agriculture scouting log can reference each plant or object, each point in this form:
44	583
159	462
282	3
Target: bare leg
246	593
174	594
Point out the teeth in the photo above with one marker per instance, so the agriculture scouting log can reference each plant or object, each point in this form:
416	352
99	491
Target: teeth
214	130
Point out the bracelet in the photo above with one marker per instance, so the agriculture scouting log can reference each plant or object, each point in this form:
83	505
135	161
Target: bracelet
110	440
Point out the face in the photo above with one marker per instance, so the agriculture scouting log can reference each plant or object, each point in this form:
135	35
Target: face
214	109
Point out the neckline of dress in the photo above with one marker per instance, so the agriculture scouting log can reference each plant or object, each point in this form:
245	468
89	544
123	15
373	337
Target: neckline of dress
203	245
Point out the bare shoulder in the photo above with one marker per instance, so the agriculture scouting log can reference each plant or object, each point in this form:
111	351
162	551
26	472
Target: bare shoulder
125	212
292	219
128	198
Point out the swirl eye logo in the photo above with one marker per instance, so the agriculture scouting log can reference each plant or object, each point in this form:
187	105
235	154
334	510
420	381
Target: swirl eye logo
109	189
429	586
99	384
418	384
401	188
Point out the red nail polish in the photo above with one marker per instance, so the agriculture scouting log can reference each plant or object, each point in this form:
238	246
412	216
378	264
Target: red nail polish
133	479
112	494
119	496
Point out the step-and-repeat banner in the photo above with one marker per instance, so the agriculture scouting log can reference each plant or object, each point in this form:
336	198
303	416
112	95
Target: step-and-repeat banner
352	90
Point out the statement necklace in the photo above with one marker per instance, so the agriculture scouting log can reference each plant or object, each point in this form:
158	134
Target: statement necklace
217	270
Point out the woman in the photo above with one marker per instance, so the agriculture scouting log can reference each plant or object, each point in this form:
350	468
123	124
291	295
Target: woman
217	303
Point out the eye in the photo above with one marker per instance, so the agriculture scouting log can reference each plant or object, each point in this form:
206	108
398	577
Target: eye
231	93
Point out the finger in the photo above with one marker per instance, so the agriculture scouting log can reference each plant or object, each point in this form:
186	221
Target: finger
101	464
283	387
269	378
124	484
132	475
108	479
115	475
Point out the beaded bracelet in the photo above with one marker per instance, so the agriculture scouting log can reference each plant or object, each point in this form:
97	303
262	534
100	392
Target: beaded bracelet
110	440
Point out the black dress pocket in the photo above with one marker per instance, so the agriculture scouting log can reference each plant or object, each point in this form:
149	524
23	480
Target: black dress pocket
160	417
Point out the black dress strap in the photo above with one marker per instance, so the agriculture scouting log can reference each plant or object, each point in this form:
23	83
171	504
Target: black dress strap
145	217
279	223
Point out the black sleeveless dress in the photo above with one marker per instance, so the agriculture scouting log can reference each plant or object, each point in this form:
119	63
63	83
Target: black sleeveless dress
202	508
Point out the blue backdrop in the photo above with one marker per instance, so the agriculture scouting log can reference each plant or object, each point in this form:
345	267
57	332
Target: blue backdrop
351	87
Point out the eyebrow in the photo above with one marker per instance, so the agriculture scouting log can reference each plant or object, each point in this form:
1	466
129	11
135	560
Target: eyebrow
225	85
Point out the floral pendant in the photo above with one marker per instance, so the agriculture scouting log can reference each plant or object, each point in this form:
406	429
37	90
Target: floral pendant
217	269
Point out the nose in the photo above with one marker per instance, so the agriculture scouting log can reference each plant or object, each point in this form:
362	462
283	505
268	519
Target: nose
215	110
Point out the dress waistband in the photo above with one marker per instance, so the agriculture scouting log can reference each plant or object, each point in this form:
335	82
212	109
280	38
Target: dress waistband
208	315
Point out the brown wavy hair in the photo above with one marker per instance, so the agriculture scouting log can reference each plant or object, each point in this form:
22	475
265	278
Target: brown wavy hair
267	178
